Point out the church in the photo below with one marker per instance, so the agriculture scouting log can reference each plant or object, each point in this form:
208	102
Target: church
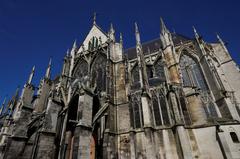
174	97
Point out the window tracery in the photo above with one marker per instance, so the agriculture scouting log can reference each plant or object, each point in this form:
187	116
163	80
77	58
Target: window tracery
160	108
192	76
136	110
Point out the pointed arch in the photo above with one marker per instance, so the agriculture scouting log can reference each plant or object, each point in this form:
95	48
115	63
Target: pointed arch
160	107
191	72
135	108
81	69
98	72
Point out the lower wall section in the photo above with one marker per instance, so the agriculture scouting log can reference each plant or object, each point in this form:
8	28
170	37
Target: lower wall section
204	143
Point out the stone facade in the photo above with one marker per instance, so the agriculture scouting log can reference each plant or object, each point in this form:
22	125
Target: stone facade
171	98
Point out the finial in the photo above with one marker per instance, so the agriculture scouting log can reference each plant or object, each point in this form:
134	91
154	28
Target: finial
111	27
195	33
17	93
3	105
75	44
31	75
48	71
137	34
4	101
68	53
163	26
120	38
94	18
219	38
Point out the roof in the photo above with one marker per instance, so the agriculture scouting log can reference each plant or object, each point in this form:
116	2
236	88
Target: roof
154	45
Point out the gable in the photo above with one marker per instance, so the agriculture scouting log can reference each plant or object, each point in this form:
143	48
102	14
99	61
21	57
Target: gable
94	32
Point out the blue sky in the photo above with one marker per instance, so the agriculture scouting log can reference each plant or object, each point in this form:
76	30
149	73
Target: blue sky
32	31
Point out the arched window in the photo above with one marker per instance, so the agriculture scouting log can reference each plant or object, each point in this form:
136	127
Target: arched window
99	73
191	73
192	76
234	137
160	110
136	111
81	69
156	110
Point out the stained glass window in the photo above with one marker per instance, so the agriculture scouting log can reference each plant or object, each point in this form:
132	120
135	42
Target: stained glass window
156	110
192	76
99	73
191	73
160	110
136	111
81	69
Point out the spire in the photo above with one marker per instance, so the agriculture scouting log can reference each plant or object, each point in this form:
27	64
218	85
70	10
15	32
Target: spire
31	75
48	71
195	33
3	106
137	34
112	32
163	27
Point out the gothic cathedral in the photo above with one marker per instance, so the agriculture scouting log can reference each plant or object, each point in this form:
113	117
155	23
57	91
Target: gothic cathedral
174	97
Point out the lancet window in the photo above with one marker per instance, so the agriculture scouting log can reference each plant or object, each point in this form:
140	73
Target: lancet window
136	114
160	108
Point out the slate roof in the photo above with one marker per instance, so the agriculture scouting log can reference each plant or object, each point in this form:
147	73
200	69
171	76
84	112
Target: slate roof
154	45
